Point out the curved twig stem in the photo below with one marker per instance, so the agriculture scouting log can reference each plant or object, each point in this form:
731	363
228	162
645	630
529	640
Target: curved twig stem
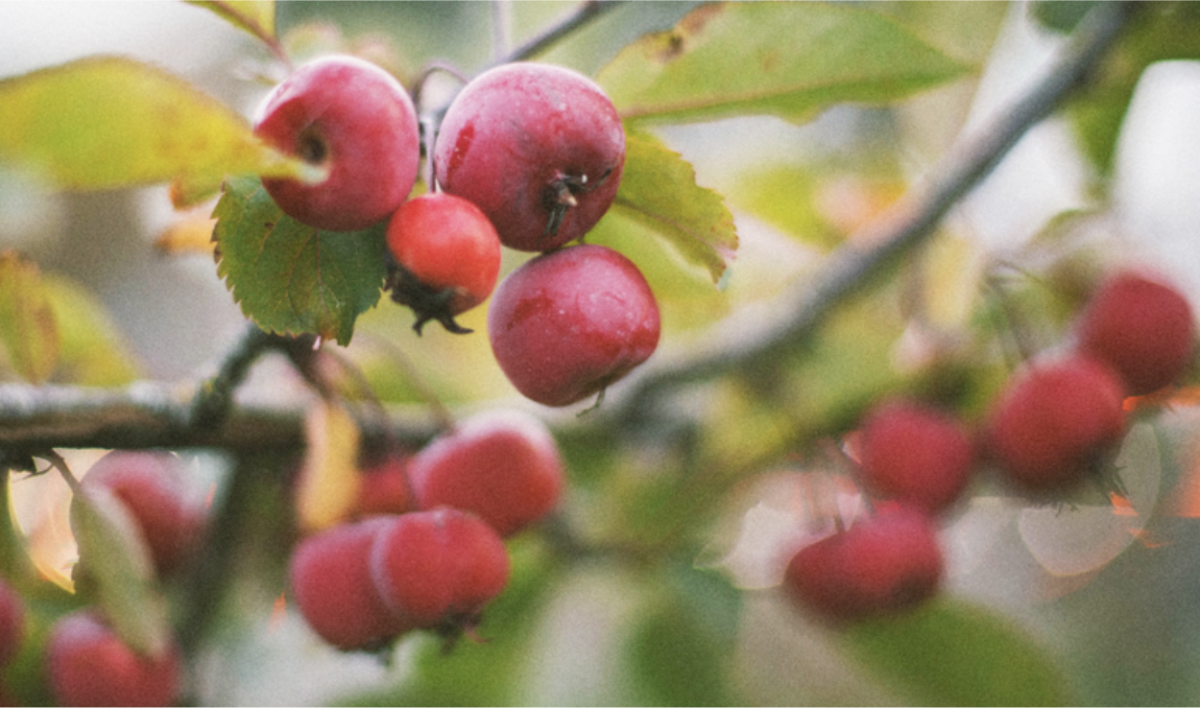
759	335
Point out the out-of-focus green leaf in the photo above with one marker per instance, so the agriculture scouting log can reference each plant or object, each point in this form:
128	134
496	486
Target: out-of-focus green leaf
105	121
254	16
1153	32
291	278
117	570
1060	15
681	653
28	329
949	653
659	191
93	352
787	59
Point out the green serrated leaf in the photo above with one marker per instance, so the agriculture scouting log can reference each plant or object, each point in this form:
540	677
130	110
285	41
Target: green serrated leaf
290	278
28	329
659	190
254	16
105	122
949	653
115	560
787	59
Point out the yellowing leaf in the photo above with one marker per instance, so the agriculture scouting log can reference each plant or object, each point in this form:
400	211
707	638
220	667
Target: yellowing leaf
790	59
105	122
28	329
191	232
328	486
659	191
254	16
93	351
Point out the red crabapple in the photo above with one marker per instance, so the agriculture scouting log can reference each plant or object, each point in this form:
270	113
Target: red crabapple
569	323
447	258
915	454
503	466
12	623
384	487
438	568
1141	327
330	577
539	148
1053	419
87	664
151	486
882	565
354	119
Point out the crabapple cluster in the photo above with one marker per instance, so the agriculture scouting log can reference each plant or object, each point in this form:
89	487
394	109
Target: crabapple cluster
527	156
86	661
434	557
1053	422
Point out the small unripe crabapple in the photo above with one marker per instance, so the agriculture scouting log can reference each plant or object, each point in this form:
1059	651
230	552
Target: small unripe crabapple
447	258
354	119
569	323
539	148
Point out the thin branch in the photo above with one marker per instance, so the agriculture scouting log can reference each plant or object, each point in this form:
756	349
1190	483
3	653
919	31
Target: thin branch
583	15
757	335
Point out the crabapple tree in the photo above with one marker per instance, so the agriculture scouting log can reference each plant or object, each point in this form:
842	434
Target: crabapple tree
599	353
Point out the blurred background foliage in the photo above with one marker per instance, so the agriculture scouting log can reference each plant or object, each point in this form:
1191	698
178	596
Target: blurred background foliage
654	584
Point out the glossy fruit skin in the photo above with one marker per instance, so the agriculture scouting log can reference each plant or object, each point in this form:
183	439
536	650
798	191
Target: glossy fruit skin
151	486
1053	419
12	623
87	664
503	466
523	139
448	255
915	454
1142	327
569	323
883	565
438	568
330	577
354	118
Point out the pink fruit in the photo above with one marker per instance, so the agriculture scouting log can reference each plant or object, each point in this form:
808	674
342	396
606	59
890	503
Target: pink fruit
331	582
1053	419
502	466
87	664
883	565
912	453
438	568
567	324
12	623
384	487
448	257
356	120
151	486
539	148
1141	327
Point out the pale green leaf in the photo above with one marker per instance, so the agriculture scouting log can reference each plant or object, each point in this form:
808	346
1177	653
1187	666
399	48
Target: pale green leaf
789	59
659	191
28	329
254	16
291	278
949	653
105	122
117	570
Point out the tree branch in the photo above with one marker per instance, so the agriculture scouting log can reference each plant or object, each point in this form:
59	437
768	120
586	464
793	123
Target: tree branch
756	335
